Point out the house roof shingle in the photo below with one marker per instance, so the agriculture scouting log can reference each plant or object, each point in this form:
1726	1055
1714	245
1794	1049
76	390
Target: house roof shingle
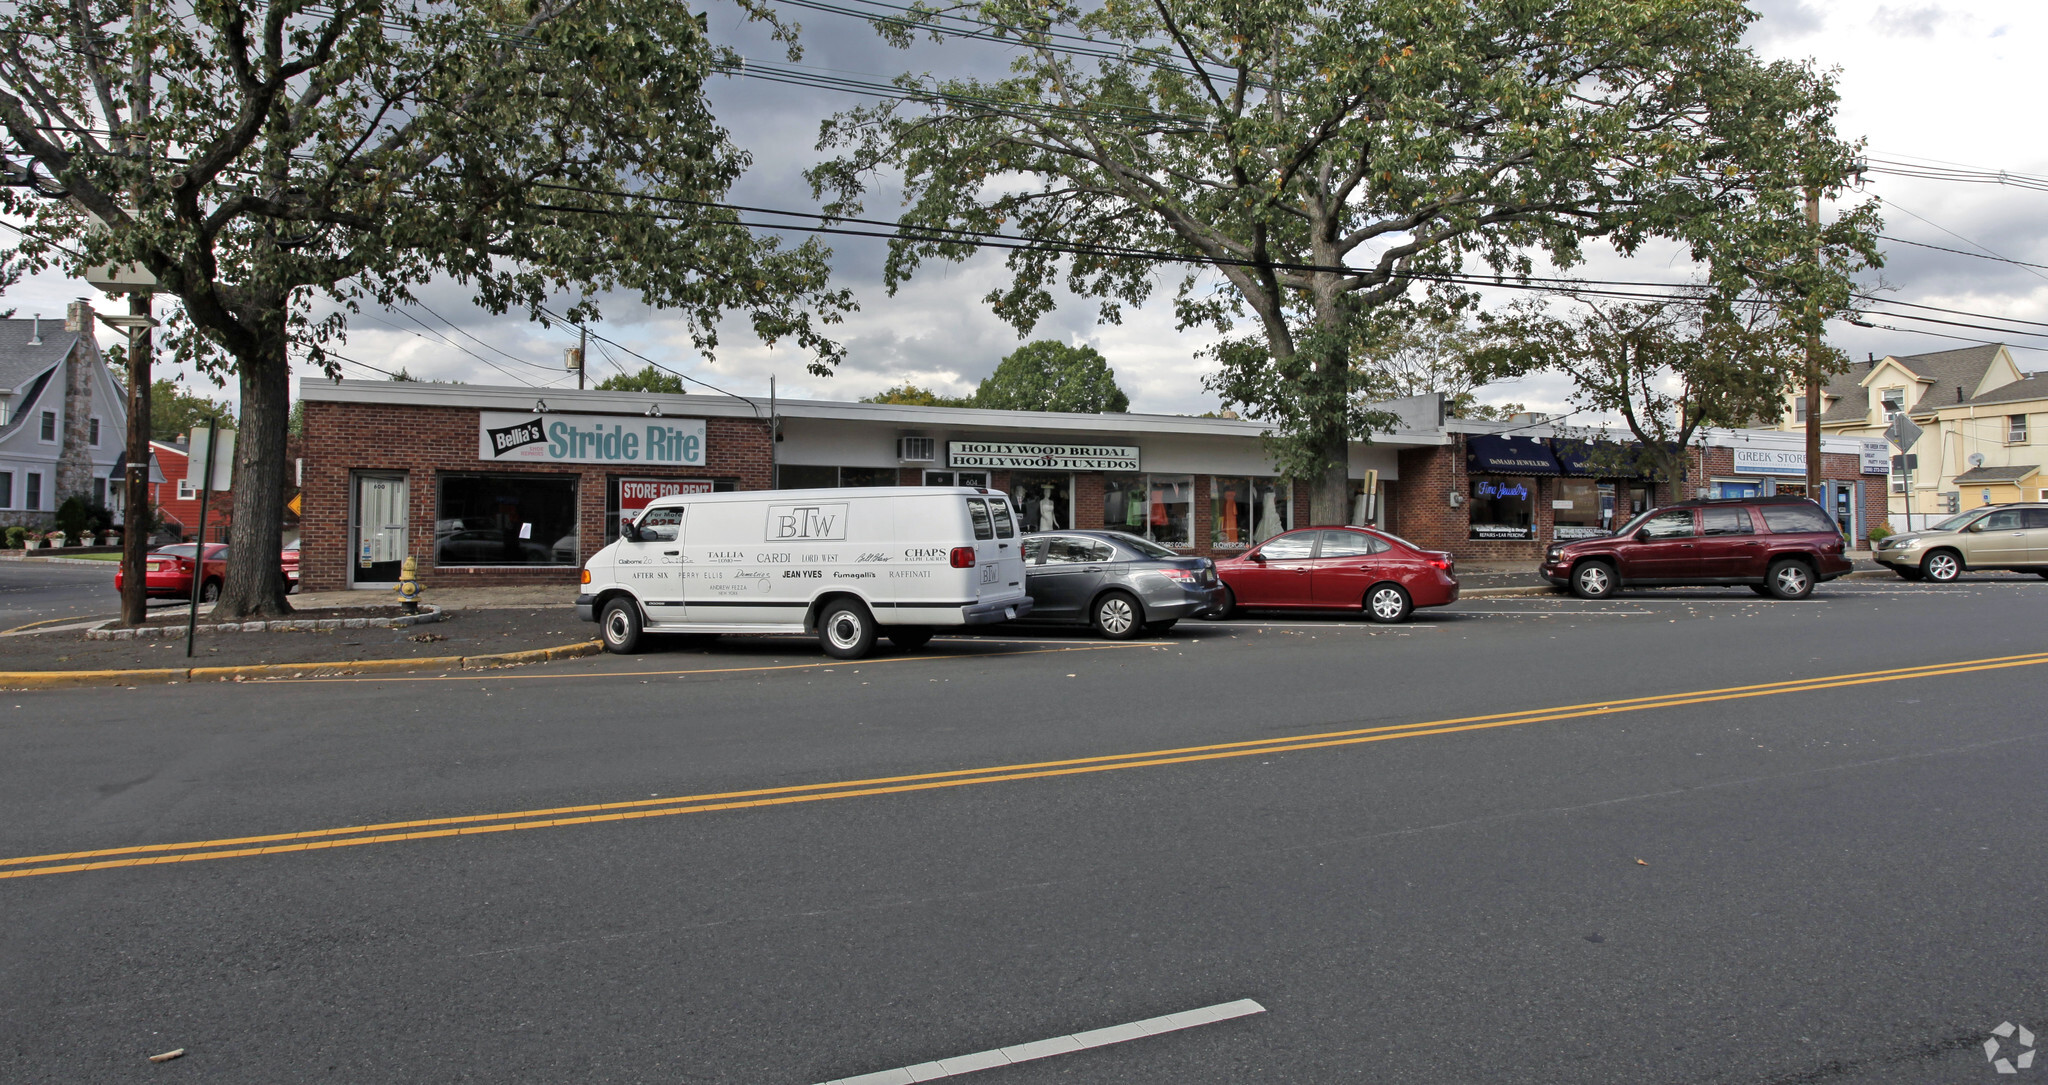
2034	387
1948	369
1976	476
22	361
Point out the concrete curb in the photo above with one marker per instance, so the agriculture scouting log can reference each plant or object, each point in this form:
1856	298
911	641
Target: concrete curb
108	630
252	672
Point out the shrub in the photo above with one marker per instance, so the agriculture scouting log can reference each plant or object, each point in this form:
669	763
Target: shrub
1880	533
15	536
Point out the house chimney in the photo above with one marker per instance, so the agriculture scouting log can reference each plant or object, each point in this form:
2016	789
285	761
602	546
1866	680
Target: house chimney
78	316
1871	356
1959	393
35	330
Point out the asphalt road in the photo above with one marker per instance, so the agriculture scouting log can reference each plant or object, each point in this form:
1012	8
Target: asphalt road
1815	851
32	591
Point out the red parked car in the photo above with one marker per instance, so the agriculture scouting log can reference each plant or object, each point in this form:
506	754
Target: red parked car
1338	568
289	561
169	571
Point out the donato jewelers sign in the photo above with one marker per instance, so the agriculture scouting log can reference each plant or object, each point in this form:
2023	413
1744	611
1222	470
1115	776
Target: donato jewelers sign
589	438
1051	457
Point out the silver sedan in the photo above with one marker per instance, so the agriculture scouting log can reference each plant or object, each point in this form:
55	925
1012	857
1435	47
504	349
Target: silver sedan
1120	584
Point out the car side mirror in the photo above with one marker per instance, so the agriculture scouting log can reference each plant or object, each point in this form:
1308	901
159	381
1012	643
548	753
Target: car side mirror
628	531
1256	556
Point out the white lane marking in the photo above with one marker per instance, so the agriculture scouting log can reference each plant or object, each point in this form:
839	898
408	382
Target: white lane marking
1546	613
1058	1045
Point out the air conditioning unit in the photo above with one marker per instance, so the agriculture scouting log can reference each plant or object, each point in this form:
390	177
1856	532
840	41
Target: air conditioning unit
917	449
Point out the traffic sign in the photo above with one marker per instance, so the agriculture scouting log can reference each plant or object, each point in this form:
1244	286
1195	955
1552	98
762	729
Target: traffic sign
1902	432
293	505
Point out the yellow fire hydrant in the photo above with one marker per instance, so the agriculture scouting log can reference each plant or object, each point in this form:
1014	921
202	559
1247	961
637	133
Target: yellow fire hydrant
409	585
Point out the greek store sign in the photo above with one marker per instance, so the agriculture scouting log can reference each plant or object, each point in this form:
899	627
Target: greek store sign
589	438
1769	461
1050	457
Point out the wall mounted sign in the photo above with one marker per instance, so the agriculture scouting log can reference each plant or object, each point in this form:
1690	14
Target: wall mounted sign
1877	458
1001	454
589	438
1769	461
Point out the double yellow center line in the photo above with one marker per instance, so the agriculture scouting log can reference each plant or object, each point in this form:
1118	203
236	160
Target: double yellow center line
194	851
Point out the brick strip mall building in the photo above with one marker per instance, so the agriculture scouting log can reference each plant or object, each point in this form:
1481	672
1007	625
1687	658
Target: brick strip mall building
489	485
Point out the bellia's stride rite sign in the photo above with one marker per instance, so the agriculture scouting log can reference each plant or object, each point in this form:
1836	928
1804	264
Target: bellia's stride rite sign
1051	457
589	438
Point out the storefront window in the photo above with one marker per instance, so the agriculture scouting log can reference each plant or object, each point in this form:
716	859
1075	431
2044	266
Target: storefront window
956	478
867	476
505	520
1045	502
640	491
1274	507
1231	502
1156	507
1503	507
799	476
1577	509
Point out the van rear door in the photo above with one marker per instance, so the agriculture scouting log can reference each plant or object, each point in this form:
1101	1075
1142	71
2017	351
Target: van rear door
998	553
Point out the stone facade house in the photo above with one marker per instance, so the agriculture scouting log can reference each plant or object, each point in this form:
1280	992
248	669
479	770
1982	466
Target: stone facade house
63	417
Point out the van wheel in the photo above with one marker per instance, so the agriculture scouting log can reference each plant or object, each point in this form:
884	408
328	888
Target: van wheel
1593	580
1942	566
1387	604
620	624
846	630
1117	616
910	637
1790	580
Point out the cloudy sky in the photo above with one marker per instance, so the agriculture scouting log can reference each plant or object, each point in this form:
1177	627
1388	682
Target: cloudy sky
1926	84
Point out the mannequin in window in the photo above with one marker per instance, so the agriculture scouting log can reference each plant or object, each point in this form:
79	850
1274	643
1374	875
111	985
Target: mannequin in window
1227	515
1048	513
1269	514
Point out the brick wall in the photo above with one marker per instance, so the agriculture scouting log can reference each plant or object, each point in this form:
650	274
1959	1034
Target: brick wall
422	442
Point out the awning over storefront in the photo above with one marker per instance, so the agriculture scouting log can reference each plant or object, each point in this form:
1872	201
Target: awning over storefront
1599	459
1498	454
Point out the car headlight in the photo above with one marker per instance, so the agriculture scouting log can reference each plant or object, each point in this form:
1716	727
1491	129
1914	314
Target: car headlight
1555	553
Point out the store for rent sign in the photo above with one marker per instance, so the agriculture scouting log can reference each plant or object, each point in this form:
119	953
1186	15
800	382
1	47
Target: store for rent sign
589	438
637	493
1044	457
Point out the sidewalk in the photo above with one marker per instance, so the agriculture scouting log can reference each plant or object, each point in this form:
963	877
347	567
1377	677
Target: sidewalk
481	627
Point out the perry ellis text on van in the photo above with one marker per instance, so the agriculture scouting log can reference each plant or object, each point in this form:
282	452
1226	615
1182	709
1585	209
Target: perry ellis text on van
806	522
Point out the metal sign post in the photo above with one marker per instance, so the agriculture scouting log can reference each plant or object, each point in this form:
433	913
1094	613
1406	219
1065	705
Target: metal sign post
206	481
1903	433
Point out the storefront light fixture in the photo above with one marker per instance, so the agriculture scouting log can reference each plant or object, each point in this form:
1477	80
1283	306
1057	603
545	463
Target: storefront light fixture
654	410
540	406
1457	499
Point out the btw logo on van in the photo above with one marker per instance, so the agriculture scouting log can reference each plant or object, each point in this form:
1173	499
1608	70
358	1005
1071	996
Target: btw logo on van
787	522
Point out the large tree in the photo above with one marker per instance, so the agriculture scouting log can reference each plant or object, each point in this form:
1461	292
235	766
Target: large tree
286	158
911	395
648	379
1322	157
174	412
1048	375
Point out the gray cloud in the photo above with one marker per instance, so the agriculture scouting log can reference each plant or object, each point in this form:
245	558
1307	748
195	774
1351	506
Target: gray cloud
1915	22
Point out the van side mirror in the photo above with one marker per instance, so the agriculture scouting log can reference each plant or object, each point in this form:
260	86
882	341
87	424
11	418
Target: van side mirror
628	531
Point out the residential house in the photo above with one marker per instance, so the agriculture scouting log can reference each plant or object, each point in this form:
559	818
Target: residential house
63	417
1972	403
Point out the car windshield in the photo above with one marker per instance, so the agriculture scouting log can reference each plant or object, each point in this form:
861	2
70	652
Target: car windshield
181	551
1143	546
1957	522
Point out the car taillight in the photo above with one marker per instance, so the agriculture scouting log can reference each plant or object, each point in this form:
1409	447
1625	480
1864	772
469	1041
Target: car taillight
1185	576
961	558
1441	563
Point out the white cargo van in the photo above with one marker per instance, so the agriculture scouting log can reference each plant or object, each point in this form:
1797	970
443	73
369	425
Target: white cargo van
847	564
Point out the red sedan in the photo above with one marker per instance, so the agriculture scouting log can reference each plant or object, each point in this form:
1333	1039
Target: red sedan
1339	568
169	571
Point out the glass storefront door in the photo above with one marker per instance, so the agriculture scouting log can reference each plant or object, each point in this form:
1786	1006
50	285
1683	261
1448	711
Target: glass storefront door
378	533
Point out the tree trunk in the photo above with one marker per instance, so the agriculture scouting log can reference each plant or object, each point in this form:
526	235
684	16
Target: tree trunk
255	584
1330	492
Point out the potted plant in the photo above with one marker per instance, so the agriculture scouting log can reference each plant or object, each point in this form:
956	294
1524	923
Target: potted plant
55	539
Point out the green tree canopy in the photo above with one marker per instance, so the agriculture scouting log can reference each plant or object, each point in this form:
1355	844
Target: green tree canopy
1319	159
911	395
173	412
1048	375
649	379
300	156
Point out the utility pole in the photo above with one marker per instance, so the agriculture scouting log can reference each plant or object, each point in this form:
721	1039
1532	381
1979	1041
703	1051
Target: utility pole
1814	475
135	536
582	354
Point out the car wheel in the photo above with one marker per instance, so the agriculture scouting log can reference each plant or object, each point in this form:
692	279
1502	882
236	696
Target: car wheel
846	630
620	625
910	637
1117	616
1224	608
209	591
1789	580
1153	629
1387	604
1593	580
1942	566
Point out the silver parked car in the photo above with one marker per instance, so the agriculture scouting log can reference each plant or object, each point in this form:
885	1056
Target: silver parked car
1121	584
2012	537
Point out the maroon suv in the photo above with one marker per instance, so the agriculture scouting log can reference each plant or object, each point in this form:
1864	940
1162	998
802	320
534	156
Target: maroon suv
1779	546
